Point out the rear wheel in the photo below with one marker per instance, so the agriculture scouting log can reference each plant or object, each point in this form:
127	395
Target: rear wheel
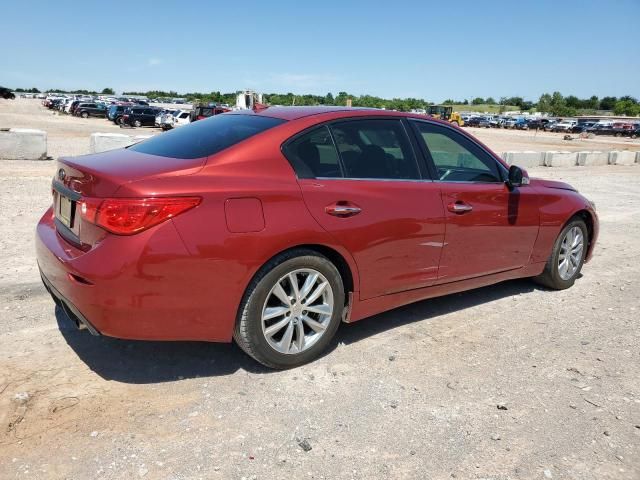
567	256
137	123
291	310
84	115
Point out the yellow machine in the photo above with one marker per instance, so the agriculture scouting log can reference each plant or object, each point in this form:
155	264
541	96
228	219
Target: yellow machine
445	112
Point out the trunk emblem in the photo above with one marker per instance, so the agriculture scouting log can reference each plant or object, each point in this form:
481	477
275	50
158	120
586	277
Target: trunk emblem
61	174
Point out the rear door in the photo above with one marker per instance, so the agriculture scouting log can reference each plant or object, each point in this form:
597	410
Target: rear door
363	183
489	228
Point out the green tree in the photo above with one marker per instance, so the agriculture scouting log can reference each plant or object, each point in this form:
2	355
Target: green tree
544	103
477	101
627	107
490	101
108	91
607	103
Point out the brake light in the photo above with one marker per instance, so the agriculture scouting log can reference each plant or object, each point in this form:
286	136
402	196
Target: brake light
128	216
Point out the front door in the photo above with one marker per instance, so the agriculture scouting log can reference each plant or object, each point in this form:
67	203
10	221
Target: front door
362	183
489	228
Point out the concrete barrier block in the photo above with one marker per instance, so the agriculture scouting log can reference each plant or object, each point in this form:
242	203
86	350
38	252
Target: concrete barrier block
23	144
637	157
101	142
524	159
624	157
560	159
590	159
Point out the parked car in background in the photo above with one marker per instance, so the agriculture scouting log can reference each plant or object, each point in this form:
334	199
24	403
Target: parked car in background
480	122
175	119
510	123
496	122
189	234
115	112
86	110
564	126
601	128
581	127
633	133
139	116
619	128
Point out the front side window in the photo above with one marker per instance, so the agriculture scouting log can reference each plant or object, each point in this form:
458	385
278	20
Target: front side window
313	154
375	149
455	157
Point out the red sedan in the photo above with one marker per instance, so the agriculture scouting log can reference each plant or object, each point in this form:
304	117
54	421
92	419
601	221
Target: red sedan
271	227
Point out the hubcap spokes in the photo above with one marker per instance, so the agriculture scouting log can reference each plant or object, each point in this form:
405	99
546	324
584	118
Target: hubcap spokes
297	311
570	254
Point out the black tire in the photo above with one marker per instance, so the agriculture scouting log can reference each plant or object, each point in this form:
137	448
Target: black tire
248	330
118	121
84	115
137	123
550	277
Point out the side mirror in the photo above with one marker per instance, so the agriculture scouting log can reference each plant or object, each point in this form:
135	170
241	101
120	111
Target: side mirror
517	177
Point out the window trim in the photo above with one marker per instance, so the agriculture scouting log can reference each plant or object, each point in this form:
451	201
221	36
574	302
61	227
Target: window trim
502	171
425	174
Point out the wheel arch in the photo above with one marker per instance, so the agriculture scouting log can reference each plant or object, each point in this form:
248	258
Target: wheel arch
590	221
349	280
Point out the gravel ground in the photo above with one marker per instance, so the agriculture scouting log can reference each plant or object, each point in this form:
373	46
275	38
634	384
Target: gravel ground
505	382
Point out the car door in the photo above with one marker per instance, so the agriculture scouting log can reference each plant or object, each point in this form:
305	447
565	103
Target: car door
363	184
489	228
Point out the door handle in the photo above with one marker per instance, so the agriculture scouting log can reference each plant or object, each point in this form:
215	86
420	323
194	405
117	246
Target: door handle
459	207
342	209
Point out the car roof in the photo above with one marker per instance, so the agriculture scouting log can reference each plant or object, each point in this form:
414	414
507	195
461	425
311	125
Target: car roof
293	113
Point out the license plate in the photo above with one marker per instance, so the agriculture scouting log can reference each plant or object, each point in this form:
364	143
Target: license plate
65	210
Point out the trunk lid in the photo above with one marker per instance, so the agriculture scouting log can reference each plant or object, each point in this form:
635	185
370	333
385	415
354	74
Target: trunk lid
102	174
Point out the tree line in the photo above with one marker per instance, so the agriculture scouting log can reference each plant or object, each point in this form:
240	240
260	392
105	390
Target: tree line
554	103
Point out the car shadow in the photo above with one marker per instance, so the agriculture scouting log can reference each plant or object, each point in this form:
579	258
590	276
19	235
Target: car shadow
142	362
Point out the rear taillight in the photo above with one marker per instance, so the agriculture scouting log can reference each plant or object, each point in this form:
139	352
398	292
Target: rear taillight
128	216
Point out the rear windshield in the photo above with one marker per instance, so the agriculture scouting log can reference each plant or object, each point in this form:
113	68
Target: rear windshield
206	137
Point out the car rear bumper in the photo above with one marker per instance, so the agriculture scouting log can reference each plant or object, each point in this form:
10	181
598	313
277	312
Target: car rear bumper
69	308
141	287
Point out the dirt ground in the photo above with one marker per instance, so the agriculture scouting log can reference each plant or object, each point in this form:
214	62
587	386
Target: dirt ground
505	382
70	135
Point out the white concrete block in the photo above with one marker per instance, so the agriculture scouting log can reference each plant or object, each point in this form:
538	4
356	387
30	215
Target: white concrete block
101	142
560	159
624	157
524	159
23	144
590	159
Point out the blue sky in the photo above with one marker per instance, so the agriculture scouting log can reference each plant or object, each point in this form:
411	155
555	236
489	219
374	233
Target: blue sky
432	50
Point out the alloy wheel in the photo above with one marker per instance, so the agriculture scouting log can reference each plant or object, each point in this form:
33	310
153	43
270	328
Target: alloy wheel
570	254
297	311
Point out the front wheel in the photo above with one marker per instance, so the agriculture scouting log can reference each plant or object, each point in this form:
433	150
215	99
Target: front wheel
567	257
291	310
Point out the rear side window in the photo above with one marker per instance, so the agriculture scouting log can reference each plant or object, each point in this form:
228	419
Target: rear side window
313	154
375	149
206	137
